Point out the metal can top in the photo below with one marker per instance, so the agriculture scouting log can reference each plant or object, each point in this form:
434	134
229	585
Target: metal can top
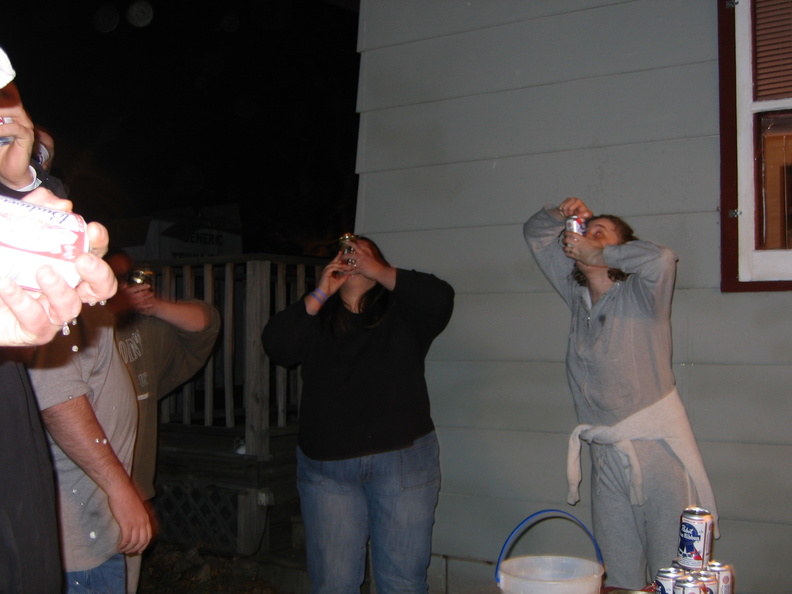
671	571
696	511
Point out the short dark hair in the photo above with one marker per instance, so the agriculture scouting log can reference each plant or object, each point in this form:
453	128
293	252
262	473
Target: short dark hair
625	233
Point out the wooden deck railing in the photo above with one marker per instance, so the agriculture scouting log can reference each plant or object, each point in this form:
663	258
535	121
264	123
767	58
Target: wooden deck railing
239	387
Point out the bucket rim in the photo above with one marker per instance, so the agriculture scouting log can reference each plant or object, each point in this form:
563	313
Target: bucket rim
598	569
532	518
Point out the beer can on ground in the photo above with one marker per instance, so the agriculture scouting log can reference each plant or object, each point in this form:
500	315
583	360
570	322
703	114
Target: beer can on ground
32	236
695	538
725	576
665	578
576	224
708	579
688	584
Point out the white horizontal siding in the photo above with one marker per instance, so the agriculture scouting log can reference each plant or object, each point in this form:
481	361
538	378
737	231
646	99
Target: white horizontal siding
473	115
560	47
605	111
664	177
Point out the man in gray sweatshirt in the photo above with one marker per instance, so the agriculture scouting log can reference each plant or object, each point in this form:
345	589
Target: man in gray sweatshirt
646	466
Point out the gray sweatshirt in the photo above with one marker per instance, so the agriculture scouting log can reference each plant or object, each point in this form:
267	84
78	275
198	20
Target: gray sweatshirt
619	351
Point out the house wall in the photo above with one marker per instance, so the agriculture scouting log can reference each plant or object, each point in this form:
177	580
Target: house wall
473	115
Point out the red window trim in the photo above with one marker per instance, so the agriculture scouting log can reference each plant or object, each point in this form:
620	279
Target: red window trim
730	282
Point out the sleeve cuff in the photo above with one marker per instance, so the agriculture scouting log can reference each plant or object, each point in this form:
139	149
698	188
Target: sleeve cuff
32	185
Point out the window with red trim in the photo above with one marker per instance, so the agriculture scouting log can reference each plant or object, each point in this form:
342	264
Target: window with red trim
755	41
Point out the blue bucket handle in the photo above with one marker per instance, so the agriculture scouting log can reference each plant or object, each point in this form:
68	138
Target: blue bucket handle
531	518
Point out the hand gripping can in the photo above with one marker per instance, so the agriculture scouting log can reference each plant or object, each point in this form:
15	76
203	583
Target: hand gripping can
725	576
32	236
665	578
576	224
695	538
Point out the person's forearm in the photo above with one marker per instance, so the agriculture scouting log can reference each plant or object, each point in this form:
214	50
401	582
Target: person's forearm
74	427
185	316
386	276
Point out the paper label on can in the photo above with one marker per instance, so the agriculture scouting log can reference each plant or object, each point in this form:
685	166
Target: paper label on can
32	236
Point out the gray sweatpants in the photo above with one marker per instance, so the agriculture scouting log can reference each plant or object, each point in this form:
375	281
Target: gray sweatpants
636	540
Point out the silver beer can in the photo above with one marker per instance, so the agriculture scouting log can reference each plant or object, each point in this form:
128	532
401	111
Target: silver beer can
6	139
725	575
576	224
696	527
665	578
708	579
689	584
140	276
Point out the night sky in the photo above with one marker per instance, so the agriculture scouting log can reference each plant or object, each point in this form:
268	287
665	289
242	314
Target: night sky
162	105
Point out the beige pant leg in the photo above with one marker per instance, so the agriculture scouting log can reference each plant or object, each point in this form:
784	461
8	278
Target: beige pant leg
133	563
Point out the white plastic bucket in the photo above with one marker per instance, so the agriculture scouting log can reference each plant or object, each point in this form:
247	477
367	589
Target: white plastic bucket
548	574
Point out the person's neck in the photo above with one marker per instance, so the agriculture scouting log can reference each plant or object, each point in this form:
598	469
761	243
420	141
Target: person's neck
352	293
598	283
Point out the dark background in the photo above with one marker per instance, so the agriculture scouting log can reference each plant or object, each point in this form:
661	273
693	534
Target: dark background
169	106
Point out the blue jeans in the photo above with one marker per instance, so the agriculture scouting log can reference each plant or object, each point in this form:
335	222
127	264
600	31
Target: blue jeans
107	578
386	498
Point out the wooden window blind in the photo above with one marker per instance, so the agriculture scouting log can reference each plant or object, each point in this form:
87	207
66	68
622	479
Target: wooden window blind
772	49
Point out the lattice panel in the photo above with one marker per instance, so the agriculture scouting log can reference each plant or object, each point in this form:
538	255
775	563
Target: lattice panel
198	515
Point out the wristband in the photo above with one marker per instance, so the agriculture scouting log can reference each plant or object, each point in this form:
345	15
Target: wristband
321	294
318	297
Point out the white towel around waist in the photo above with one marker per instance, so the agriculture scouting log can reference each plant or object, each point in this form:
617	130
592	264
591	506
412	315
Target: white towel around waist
664	420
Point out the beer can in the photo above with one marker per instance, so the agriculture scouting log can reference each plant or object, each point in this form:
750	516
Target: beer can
696	527
688	584
708	579
32	236
725	576
141	277
6	139
343	245
576	224
665	578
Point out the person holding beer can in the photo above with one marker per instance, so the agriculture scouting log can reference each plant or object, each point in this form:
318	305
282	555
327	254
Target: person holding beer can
367	458
646	466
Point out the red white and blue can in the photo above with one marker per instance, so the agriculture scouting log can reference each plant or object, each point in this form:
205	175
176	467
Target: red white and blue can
576	224
32	235
725	576
665	578
689	584
696	528
708	579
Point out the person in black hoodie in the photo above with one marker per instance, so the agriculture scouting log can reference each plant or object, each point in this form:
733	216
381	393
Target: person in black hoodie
367	459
